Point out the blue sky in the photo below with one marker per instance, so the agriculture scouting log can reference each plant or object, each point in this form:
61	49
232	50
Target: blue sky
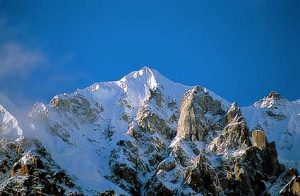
239	49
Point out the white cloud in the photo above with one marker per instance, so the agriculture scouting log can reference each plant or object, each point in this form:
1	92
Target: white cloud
16	58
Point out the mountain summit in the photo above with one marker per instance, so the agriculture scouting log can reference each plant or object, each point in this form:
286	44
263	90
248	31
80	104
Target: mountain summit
147	135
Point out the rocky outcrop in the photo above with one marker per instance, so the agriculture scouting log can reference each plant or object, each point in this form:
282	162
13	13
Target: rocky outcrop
274	95
28	169
245	173
202	178
131	137
292	188
172	178
78	105
259	138
247	167
256	166
272	101
236	130
235	134
243	170
126	165
134	160
151	123
281	182
199	113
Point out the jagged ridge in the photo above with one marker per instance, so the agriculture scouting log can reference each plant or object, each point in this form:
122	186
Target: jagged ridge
145	134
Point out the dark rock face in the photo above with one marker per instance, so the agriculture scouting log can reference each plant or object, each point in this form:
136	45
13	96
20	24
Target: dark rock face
291	179
246	174
122	171
126	175
155	187
292	188
28	169
274	95
282	181
108	193
255	167
152	123
202	178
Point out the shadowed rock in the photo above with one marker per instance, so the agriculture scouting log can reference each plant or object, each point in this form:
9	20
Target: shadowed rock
292	188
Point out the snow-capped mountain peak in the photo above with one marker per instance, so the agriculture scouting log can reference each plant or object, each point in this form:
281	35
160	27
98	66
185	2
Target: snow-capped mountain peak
144	75
147	135
9	126
138	84
272	99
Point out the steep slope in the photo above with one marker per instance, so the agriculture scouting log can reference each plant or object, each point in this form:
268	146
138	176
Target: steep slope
280	119
187	170
212	153
25	165
9	126
112	128
146	135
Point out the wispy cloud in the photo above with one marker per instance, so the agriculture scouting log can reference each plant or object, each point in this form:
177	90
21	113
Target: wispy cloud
17	58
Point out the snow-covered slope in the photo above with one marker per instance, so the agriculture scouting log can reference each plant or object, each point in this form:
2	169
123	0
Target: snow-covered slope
9	126
145	134
82	128
26	168
280	119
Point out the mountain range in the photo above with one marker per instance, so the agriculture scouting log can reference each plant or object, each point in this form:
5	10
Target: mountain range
147	135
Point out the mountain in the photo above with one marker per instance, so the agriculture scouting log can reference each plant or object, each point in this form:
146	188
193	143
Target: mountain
26	168
146	135
280	119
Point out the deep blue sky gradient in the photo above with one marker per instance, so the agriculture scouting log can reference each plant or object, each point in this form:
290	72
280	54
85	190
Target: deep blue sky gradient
239	49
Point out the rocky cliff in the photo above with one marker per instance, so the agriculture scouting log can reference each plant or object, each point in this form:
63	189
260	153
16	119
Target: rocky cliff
146	135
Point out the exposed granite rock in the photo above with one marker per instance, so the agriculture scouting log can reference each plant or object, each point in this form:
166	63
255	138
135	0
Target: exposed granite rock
199	113
202	178
77	105
151	123
246	170
259	138
247	173
235	134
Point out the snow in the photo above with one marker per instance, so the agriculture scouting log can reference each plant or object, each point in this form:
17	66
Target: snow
9	126
87	154
87	158
26	159
283	128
